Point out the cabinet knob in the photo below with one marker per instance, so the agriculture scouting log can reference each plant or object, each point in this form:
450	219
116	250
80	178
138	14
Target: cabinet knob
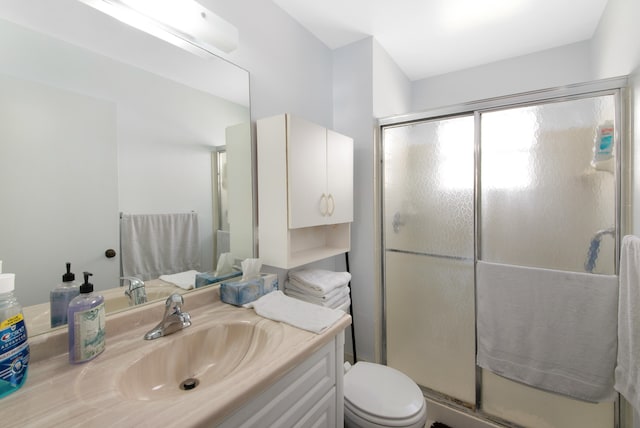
110	253
331	204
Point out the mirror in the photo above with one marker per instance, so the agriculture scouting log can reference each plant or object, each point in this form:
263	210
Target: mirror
98	119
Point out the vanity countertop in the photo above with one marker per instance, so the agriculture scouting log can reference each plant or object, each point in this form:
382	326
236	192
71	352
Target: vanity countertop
57	393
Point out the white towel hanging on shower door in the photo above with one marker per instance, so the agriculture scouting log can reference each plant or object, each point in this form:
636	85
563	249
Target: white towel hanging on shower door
550	329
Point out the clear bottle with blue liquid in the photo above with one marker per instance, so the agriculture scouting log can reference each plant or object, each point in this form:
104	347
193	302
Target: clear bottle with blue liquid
14	347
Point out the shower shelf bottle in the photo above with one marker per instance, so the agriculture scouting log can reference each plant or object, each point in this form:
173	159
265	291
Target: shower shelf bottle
86	322
60	297
14	347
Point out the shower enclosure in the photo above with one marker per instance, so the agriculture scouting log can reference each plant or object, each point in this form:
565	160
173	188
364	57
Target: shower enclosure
530	181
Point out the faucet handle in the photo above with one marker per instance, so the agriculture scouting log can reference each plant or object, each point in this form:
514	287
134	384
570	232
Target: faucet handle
175	302
133	282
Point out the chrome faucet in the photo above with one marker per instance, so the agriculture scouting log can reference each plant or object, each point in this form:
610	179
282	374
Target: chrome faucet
136	292
172	320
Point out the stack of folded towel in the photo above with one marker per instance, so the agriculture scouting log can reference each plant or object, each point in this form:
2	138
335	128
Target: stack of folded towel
321	287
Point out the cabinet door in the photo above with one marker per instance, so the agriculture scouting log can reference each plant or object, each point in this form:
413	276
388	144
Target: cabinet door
307	177
339	178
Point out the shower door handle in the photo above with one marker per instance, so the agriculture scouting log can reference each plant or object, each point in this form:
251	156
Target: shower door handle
397	222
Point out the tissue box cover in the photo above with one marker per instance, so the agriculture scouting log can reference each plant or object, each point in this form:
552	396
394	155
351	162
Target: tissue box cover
242	292
207	278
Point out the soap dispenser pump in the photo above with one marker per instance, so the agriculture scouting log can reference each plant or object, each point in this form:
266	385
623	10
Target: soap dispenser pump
60	297
86	316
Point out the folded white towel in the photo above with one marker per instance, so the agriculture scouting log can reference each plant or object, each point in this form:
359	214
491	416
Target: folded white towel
334	302
278	307
319	281
184	280
627	372
339	291
346	306
554	330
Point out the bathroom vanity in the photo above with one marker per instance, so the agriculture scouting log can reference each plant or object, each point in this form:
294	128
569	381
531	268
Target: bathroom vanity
248	371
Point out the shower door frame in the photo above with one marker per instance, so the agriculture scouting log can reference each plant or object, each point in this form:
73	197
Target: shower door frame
614	86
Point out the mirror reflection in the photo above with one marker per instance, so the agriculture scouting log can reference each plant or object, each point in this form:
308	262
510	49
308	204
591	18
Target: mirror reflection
96	128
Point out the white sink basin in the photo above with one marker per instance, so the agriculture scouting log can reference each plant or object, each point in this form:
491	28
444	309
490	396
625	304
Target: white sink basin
201	358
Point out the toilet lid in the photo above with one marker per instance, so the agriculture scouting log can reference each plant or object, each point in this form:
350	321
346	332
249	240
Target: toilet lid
382	391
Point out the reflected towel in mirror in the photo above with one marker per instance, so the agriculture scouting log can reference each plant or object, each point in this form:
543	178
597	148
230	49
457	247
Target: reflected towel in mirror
159	244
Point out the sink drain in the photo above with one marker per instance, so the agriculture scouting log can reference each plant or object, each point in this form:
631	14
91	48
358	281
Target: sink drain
188	384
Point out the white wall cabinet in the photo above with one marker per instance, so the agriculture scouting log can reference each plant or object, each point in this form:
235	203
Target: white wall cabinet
311	394
305	191
320	167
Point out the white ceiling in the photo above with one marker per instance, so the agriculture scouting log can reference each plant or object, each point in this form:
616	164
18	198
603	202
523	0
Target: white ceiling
431	37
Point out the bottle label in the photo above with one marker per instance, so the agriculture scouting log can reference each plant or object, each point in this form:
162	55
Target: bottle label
89	333
14	351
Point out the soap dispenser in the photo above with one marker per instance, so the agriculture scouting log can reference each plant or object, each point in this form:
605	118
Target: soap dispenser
86	317
60	297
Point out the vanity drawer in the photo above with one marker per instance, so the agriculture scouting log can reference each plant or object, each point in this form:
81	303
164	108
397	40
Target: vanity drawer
294	398
323	414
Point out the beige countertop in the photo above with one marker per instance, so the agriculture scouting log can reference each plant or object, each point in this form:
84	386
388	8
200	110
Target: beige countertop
57	393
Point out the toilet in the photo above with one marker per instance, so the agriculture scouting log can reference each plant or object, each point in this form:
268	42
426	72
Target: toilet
377	396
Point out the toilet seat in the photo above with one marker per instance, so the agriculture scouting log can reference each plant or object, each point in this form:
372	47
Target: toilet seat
382	396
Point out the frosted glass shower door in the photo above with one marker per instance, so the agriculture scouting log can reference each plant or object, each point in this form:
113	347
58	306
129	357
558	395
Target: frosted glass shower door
547	199
429	253
546	196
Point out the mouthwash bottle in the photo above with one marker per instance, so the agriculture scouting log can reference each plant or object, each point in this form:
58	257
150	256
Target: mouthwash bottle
14	348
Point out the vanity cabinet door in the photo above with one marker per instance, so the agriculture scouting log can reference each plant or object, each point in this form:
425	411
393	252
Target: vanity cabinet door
307	173
311	394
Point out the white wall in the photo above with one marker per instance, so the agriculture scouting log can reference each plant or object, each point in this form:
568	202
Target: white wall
392	90
353	110
616	42
290	68
367	84
541	70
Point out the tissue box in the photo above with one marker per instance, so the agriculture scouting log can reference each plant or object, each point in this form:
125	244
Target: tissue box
207	278
242	292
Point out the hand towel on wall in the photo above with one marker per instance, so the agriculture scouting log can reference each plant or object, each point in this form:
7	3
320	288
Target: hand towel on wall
553	330
627	372
157	244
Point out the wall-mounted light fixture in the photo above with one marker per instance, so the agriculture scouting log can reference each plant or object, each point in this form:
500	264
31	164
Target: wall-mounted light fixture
184	23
